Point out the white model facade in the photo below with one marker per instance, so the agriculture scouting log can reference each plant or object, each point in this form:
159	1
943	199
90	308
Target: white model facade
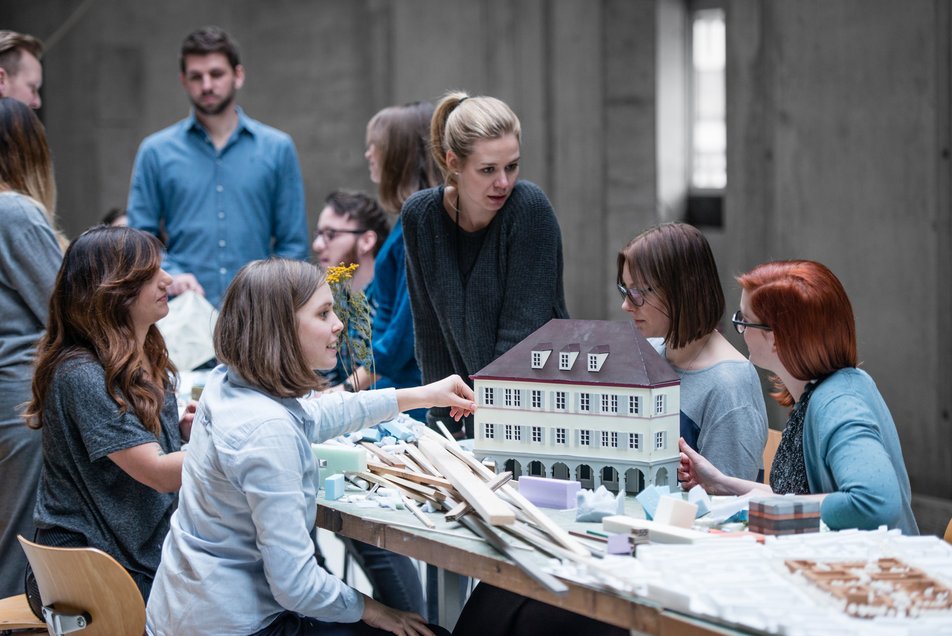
589	400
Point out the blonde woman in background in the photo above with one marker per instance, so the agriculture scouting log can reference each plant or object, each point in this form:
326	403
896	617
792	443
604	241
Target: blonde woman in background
30	255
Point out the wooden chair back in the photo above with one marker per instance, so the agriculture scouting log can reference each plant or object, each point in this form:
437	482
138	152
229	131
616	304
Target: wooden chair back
773	441
948	532
88	580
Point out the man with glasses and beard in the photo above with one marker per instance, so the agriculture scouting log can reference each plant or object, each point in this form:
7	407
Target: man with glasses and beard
351	229
223	188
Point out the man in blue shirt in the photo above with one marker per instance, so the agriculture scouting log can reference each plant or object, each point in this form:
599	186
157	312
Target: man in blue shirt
223	188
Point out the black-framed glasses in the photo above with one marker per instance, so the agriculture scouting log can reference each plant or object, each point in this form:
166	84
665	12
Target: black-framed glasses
635	296
741	325
329	234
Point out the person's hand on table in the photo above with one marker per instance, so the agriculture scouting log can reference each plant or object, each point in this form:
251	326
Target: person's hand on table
378	615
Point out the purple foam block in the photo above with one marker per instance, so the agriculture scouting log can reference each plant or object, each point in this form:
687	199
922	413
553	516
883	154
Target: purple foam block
549	493
618	544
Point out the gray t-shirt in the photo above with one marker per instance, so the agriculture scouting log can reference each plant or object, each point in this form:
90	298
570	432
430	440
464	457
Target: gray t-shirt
723	415
29	260
81	489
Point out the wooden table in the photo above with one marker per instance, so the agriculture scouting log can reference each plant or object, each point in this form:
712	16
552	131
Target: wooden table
473	558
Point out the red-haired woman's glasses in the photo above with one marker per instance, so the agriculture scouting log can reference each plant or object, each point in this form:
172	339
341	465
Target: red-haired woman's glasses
635	296
741	325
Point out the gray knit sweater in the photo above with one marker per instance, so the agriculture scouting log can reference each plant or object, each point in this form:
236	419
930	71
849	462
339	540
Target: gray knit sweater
514	285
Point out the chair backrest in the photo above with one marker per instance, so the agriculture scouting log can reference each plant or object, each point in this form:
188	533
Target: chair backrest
88	580
773	441
948	532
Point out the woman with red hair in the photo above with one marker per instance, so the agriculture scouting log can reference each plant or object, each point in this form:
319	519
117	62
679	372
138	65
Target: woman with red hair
840	442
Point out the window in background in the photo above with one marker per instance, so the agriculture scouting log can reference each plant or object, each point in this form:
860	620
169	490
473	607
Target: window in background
707	164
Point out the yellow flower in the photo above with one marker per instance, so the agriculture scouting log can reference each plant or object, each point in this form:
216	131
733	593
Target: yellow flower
341	273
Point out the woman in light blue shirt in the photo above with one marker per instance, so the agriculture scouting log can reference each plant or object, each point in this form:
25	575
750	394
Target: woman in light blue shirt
239	558
840	442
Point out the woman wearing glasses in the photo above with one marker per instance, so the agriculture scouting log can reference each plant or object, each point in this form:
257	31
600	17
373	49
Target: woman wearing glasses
840	441
669	284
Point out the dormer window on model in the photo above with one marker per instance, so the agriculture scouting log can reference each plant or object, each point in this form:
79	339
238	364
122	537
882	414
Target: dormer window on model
597	357
540	354
567	357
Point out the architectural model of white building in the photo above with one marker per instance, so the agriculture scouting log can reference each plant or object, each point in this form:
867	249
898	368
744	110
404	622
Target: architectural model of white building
589	400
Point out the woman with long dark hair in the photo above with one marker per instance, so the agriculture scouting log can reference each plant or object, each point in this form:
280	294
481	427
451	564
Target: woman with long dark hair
104	399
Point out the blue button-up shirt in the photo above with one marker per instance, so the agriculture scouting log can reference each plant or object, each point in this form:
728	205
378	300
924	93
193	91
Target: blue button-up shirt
219	208
239	551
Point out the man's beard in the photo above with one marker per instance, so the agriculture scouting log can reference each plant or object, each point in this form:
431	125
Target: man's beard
217	109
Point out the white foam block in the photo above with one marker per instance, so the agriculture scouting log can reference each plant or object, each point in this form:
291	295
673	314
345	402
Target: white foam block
657	532
676	512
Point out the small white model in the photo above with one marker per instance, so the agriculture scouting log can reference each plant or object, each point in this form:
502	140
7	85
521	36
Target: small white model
589	400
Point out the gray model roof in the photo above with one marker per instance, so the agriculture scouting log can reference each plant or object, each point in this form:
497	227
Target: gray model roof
632	361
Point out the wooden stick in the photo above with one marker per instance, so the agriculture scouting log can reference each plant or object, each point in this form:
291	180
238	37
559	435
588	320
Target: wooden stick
545	579
411	506
471	488
512	495
381	481
464	508
420	458
385	457
422	478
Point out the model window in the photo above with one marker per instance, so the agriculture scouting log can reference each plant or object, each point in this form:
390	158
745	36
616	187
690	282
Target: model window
584	402
517	433
564	362
614	439
613	404
605	439
536	399
659	404
536	359
585	438
537	434
507	397
560	400
516	398
634	441
560	436
592	362
489	430
605	403
634	405
509	432
659	440
488	396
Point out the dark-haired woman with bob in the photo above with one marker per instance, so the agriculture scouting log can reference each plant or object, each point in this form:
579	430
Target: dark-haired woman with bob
840	442
239	558
104	399
669	285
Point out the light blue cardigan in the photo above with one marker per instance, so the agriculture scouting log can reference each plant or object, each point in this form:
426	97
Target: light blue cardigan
851	450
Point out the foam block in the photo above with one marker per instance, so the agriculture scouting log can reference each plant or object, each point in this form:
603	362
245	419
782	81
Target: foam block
334	487
549	493
657	532
618	543
676	512
648	498
336	458
699	496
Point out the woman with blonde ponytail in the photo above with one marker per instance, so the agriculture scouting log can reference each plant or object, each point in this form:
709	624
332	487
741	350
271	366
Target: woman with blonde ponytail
484	250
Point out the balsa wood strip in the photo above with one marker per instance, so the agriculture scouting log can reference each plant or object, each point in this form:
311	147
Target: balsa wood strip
464	508
475	491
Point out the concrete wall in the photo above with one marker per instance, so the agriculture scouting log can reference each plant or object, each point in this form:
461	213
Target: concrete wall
838	136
